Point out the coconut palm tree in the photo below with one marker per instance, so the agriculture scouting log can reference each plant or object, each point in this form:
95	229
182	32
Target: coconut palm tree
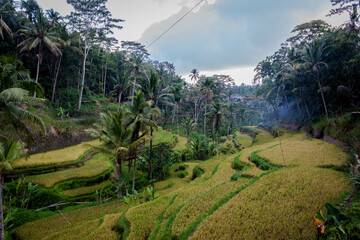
194	75
66	43
206	88
8	153
139	114
15	120
189	124
136	61
313	56
216	117
38	35
153	92
115	135
12	72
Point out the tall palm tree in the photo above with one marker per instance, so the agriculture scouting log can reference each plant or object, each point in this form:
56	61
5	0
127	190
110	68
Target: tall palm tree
139	114
153	92
38	35
313	59
206	88
216	117
189	124
66	43
115	135
8	153
136	61
194	75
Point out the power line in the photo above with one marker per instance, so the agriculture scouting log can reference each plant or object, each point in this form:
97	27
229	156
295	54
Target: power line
155	40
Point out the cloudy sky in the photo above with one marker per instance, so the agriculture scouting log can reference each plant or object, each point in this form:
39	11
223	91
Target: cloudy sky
218	37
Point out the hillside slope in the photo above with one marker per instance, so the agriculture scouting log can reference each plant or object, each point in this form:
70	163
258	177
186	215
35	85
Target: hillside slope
252	194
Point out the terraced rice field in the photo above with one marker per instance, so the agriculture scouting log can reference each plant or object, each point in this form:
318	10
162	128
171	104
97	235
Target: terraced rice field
60	156
97	165
277	203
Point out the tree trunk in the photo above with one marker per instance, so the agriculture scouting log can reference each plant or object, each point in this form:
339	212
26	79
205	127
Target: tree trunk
37	72
120	168
177	126
106	65
150	155
297	104
133	91
83	79
55	80
119	100
322	94
205	122
228	127
134	175
217	142
2	229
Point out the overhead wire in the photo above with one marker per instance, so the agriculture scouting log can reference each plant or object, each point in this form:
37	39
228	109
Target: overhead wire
156	39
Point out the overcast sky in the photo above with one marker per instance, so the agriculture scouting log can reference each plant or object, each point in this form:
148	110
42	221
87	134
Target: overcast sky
218	37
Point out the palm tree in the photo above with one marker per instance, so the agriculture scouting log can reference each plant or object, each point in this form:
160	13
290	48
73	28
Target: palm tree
115	135
12	72
38	35
66	41
139	115
206	88
8	153
14	120
53	16
3	25
189	124
136	61
151	88
216	116
313	59
194	75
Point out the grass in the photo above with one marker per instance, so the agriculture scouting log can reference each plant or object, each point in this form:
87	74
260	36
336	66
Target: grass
68	154
278	206
306	152
97	165
85	190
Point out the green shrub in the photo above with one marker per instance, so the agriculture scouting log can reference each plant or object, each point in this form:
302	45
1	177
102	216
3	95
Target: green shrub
197	172
249	131
182	174
261	163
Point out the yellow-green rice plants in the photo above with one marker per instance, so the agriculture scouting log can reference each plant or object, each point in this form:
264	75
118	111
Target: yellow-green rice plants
142	218
305	152
244	139
64	155
49	226
85	190
197	208
105	230
278	206
99	164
